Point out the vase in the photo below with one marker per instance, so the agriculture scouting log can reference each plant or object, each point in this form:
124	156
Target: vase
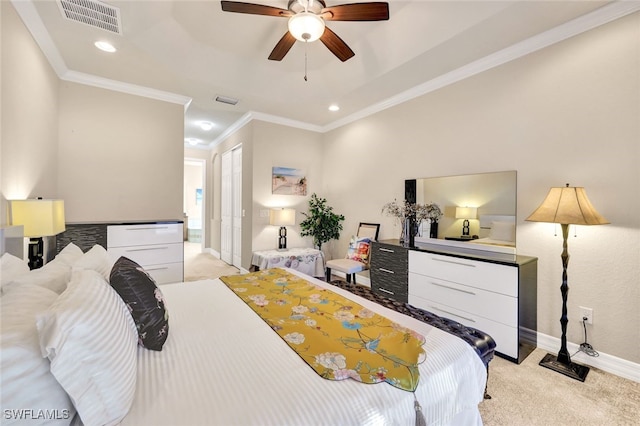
433	232
405	231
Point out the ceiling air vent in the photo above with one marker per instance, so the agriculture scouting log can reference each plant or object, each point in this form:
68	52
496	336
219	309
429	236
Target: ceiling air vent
226	100
92	13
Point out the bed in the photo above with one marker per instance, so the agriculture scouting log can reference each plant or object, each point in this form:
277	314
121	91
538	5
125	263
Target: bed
220	362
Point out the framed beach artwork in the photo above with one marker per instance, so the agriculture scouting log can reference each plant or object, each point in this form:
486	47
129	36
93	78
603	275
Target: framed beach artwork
288	181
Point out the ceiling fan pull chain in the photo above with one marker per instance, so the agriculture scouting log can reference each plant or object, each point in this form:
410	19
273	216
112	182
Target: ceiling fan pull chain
305	60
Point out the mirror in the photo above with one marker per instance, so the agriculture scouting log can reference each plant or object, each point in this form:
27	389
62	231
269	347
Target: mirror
486	200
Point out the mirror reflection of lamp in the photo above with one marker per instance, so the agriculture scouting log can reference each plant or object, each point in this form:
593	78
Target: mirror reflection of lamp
282	217
466	213
40	218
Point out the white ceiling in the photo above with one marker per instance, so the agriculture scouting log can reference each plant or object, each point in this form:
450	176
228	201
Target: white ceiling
190	51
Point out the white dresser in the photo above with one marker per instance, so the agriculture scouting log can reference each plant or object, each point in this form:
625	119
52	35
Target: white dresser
494	296
158	247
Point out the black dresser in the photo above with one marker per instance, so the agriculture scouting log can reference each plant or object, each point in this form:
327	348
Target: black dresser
389	271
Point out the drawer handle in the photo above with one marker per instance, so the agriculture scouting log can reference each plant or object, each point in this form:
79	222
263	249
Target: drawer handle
148	248
386	250
386	291
451	313
388	271
147	228
455	263
157	268
453	288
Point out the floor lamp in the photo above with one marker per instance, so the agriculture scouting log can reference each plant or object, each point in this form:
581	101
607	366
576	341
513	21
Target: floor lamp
566	206
40	218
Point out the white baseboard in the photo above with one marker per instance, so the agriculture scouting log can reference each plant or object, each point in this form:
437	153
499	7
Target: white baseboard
212	252
609	363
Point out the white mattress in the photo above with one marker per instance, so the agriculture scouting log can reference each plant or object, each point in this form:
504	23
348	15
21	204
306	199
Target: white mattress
222	365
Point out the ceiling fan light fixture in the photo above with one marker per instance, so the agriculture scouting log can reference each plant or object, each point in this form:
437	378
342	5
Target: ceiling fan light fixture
306	26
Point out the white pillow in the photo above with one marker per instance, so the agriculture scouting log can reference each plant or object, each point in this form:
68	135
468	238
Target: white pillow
91	340
11	267
27	382
504	231
96	259
68	255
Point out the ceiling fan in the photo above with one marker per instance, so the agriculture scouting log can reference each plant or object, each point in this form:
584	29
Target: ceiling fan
307	22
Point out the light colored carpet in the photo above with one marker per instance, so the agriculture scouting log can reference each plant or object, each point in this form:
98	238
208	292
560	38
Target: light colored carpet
522	395
531	395
200	266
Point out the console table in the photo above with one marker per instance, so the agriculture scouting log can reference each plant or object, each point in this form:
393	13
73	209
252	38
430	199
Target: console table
493	292
306	260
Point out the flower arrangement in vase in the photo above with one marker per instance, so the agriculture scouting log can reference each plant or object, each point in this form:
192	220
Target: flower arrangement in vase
410	217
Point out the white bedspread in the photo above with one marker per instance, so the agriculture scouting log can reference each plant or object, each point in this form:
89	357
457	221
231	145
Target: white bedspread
222	365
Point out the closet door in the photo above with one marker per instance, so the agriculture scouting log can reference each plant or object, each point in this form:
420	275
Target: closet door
238	213
226	207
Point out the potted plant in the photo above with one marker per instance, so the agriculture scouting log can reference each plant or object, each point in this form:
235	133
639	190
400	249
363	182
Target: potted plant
321	222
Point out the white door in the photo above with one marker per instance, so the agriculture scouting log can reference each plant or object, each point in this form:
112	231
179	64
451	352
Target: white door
238	213
226	207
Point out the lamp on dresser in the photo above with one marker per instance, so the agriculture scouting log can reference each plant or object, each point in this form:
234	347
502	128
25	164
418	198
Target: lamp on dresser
466	213
566	206
282	217
40	218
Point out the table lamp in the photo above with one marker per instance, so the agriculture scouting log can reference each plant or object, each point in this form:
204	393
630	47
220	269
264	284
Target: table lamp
466	213
40	218
566	206
282	217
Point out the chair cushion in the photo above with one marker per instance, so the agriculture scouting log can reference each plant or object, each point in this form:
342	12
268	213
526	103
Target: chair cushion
347	266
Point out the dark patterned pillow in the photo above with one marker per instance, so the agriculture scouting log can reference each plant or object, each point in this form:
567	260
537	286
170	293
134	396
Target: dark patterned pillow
144	300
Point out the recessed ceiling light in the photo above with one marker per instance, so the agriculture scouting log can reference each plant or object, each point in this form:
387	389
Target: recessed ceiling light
334	108
192	141
206	125
105	46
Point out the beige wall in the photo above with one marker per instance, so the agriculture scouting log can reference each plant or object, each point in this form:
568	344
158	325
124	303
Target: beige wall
120	156
568	113
281	146
109	155
29	120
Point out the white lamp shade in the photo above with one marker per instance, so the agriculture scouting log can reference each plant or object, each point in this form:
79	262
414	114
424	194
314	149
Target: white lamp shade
40	218
568	205
282	217
466	212
306	26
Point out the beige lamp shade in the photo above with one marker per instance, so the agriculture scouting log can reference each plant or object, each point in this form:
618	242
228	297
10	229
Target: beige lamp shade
568	205
40	218
282	217
466	212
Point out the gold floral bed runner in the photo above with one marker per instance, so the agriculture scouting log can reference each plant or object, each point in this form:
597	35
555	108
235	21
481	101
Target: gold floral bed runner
337	337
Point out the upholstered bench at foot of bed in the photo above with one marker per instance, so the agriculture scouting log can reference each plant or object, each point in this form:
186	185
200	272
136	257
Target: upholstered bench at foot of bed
481	342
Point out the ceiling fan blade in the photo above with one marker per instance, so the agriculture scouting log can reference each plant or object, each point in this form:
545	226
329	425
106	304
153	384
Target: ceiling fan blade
373	11
336	45
283	46
254	9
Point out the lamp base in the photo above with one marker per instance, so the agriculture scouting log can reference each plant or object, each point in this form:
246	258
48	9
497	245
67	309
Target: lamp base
575	371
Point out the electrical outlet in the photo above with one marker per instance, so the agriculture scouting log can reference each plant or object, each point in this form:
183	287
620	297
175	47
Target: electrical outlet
586	313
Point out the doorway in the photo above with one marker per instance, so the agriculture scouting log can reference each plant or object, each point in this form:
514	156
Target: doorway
231	207
194	202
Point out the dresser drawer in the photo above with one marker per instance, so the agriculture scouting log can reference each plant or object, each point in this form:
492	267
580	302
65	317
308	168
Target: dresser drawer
493	306
145	255
506	337
165	274
144	234
483	275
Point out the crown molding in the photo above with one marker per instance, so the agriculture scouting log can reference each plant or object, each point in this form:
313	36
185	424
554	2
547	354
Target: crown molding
598	17
274	119
119	86
562	32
